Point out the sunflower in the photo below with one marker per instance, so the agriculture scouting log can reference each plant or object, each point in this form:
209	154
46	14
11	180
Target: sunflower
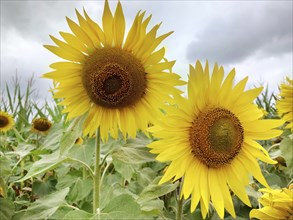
277	204
210	139
119	82
6	121
41	126
285	104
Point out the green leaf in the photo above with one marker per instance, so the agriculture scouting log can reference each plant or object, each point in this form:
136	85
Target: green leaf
273	179
77	214
4	167
134	151
67	180
121	207
286	147
61	212
24	149
133	155
42	188
53	138
71	134
82	153
154	190
6	209
45	207
48	162
80	190
145	176
126	170
153	207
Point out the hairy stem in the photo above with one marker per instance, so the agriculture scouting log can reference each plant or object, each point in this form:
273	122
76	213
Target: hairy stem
180	202
97	175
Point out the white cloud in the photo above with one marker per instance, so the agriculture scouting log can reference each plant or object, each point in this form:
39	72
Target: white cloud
244	29
254	37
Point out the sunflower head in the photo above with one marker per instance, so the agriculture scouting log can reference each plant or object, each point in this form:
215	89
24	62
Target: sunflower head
210	139
41	126
285	103
119	80
276	204
6	121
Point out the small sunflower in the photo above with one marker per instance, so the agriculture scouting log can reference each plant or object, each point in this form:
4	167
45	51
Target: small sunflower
277	204
79	141
210	139
119	82
285	104
41	126
6	121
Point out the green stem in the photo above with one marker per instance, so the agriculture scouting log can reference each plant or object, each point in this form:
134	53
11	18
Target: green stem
97	175
180	202
179	209
37	141
83	173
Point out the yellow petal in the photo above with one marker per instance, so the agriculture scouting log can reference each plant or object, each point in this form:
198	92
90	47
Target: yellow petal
159	67
80	33
95	28
216	82
263	135
248	96
66	65
85	26
227	87
145	41
236	185
237	91
63	54
216	192
133	30
68	48
140	37
204	185
155	57
156	43
258	154
169	174
256	213
108	24
189	181
119	26
74	42
225	192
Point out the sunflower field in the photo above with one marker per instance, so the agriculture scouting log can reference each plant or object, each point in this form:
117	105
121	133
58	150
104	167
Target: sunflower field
120	140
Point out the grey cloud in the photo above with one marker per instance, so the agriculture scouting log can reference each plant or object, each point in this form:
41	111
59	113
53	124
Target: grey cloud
35	19
263	29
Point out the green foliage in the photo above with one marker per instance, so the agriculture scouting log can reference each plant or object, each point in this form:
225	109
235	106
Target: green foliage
45	207
286	146
6	209
50	176
267	102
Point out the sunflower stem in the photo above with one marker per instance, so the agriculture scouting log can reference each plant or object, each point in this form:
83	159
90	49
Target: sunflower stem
180	202
97	175
179	209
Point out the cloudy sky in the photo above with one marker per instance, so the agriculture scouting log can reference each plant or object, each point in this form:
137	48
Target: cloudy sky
255	37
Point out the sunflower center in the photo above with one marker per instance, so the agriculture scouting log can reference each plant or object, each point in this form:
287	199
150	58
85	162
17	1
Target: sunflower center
42	125
113	78
112	84
216	137
3	121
